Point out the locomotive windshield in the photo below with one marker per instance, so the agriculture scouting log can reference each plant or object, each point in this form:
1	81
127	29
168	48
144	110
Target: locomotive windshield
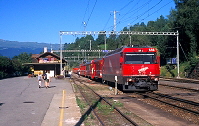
140	58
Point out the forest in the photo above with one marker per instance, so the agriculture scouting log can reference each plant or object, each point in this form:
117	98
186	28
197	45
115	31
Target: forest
183	18
14	67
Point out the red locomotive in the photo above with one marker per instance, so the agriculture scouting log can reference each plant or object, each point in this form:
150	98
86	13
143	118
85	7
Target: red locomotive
98	64
134	68
82	69
75	70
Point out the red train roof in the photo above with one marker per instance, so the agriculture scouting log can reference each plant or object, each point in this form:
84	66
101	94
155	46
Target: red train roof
133	49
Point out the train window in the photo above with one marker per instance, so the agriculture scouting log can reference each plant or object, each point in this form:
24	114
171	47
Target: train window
140	58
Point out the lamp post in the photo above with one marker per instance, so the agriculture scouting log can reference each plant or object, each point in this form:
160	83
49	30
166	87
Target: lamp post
99	51
90	44
73	57
79	53
60	54
105	41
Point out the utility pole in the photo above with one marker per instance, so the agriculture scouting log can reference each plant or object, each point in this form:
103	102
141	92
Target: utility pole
115	19
178	63
129	34
61	54
105	41
90	44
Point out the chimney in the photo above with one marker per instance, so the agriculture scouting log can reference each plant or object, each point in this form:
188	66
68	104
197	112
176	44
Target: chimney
45	49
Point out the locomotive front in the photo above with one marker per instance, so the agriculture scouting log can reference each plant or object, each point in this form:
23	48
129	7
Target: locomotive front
141	69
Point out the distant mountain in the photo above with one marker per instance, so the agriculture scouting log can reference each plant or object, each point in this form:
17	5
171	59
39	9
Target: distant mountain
13	48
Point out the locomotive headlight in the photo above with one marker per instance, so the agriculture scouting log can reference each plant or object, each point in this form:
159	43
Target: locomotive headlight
156	79
129	79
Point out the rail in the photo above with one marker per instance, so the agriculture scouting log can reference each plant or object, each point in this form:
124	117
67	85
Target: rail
103	99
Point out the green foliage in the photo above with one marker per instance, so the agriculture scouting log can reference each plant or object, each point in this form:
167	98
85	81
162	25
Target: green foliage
104	109
81	104
171	70
185	18
13	67
118	104
191	65
23	58
5	66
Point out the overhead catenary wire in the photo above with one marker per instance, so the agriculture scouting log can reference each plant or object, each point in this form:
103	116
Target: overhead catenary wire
183	52
83	21
126	5
91	13
107	22
156	11
111	27
138	8
147	11
133	9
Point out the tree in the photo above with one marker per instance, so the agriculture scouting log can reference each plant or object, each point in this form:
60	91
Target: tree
100	39
20	59
5	67
186	18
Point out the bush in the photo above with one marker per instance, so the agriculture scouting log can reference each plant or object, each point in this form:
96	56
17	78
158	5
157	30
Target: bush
189	67
168	71
172	71
1	75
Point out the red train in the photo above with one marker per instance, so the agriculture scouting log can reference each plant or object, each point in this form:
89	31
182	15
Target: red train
134	68
75	70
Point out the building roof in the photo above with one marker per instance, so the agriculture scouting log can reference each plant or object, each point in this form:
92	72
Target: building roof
37	56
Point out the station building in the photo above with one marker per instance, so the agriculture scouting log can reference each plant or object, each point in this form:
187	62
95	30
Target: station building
46	61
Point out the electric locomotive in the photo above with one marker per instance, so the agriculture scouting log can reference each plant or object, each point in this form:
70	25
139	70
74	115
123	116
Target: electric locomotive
82	69
92	69
97	70
75	70
134	68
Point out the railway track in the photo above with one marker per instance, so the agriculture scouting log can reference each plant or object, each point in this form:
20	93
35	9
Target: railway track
182	80
175	102
180	107
95	100
180	87
188	110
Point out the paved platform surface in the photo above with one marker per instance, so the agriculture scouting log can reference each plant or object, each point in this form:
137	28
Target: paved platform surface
63	110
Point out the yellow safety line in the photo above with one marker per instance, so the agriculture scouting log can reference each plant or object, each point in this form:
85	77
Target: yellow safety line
62	109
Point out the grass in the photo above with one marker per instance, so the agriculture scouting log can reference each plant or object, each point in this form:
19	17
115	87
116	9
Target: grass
81	104
104	109
118	104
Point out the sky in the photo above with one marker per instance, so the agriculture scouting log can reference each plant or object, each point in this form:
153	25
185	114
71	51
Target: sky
41	20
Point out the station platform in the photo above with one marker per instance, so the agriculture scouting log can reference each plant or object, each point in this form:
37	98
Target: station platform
63	110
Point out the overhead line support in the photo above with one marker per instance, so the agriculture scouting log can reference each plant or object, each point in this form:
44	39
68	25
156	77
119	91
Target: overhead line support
124	33
115	32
